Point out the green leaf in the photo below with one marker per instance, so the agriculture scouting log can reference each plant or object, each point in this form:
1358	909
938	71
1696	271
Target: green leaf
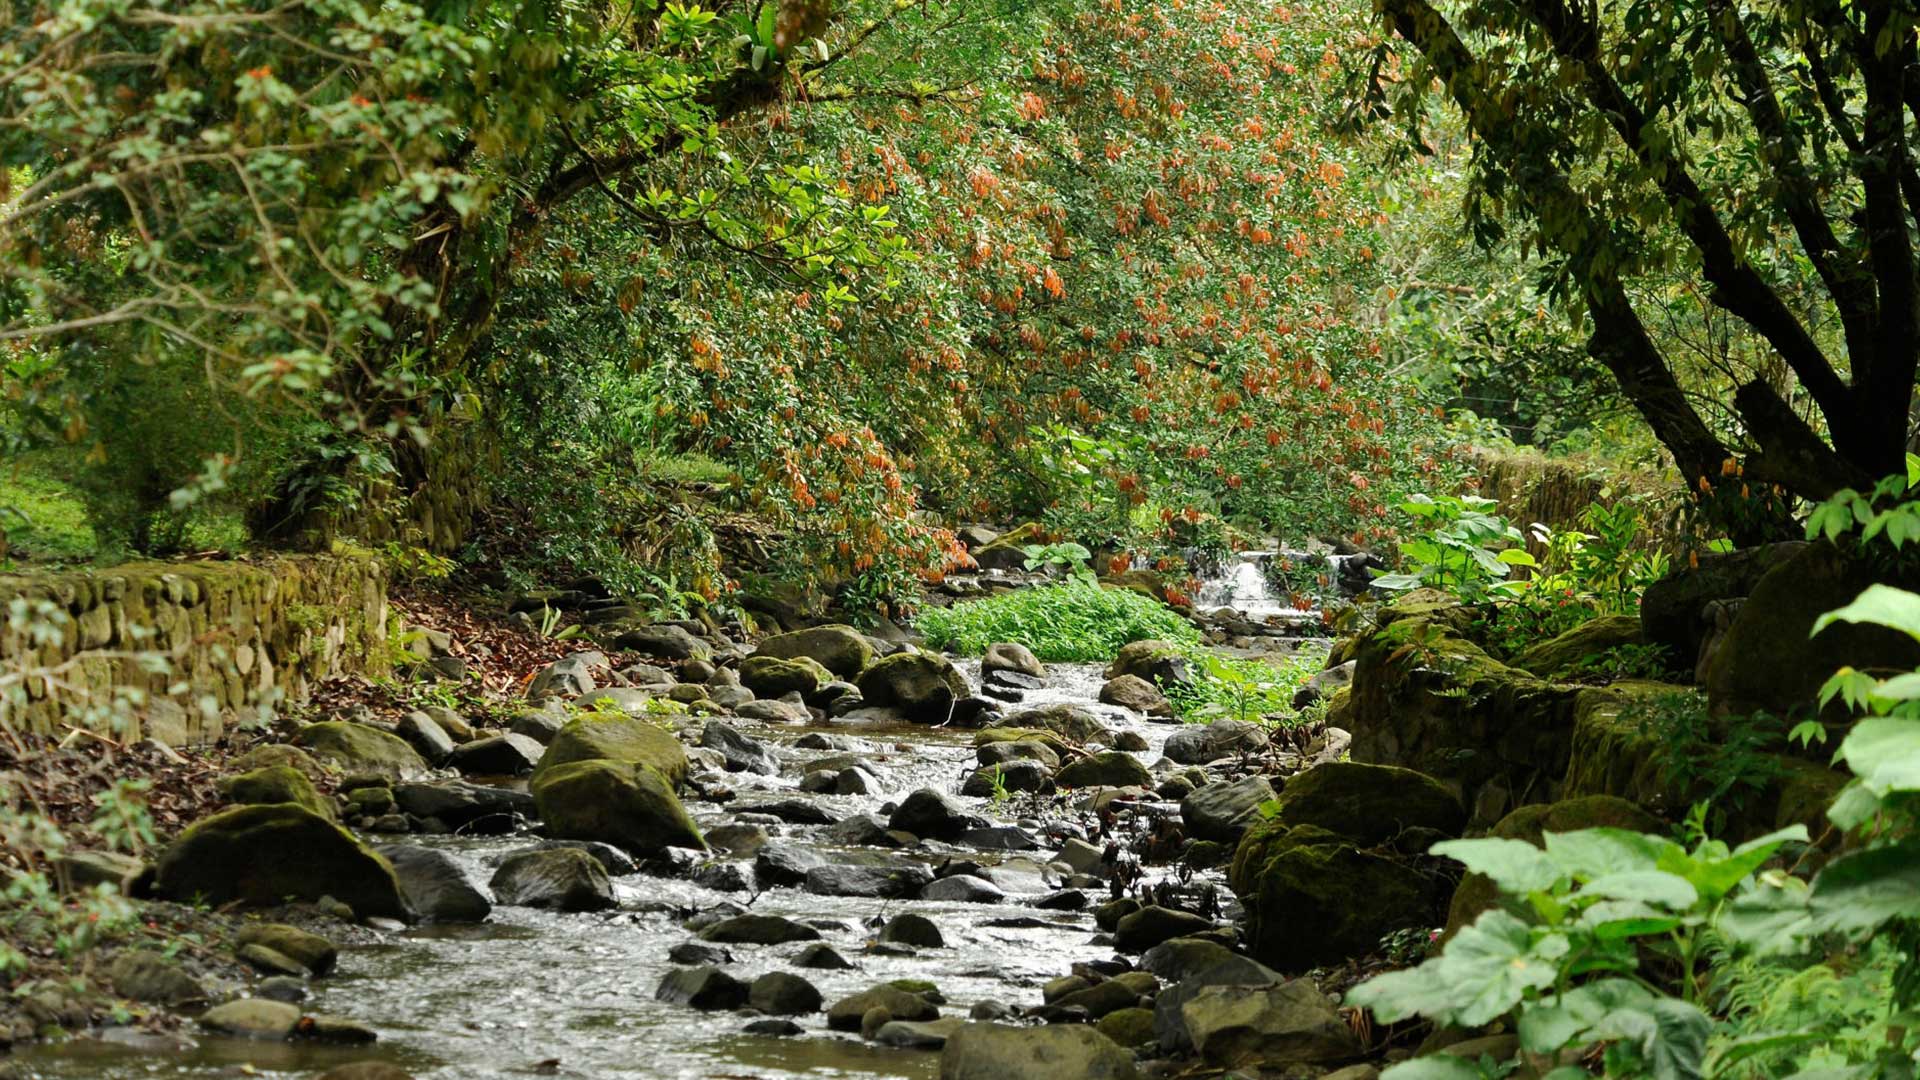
1557	1022
1865	890
1648	886
1879	605
1516	866
1433	1067
1592	853
1486	970
1884	752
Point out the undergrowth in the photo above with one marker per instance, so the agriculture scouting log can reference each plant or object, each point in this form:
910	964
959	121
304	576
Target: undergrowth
1075	620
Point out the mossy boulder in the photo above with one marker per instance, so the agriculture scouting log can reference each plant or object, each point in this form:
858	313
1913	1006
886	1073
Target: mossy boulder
772	676
1111	768
1162	663
1369	803
1770	660
279	754
840	649
923	686
622	803
631	740
1477	893
1076	724
1314	897
1590	639
1009	551
267	854
356	749
992	735
1617	748
275	784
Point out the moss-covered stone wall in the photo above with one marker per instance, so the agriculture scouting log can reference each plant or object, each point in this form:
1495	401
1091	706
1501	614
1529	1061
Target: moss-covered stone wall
189	647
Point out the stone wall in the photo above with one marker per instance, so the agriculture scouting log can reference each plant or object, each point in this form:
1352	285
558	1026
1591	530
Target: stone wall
200	644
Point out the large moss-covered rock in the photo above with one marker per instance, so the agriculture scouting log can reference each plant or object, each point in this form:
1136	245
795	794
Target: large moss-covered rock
621	803
1767	662
1050	1052
1009	550
1369	803
1074	723
275	784
1477	893
1426	697
1111	768
840	649
921	685
631	740
1587	641
1674	611
358	749
772	676
1161	663
265	855
1315	897
1617	748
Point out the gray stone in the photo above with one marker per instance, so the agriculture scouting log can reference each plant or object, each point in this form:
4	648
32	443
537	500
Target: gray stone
498	755
145	975
425	736
931	815
878	882
779	993
978	1051
742	754
758	930
1289	1024
435	885
1009	656
1222	812
1152	925
965	889
915	930
1199	744
706	987
564	879
780	863
664	641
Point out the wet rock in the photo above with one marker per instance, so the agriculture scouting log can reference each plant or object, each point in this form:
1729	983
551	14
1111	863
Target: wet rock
1064	900
435	885
693	953
773	677
1151	925
650	675
275	784
779	993
1073	723
427	738
464	806
1131	741
1324	685
1054	989
1222	812
1130	1027
741	753
570	676
1121	992
1136	693
366	1070
780	863
268	962
706	987
1290	1024
631	806
252	1018
1158	662
1082	857
758	930
1298	885
774	1028
282	988
263	855
279	754
840	649
907	1034
989	1009
791	811
921	685
822	957
773	712
863	830
1109	768
818	740
663	641
498	755
631	740
1011	657
878	882
999	838
1055	1052
1169	1019
1369	803
148	976
455	725
1178	959
616	862
999	753
737	839
846	1014
563	879
965	889
1199	744
722	877
357	748
1011	777
931	815
915	930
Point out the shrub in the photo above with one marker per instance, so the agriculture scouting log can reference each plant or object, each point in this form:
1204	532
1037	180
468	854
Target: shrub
1076	620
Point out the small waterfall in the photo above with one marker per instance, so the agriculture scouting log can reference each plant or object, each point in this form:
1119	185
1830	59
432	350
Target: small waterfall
1241	584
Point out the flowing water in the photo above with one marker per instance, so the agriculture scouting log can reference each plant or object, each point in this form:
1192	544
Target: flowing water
535	993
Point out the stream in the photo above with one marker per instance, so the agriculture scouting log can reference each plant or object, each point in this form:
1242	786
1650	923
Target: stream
537	993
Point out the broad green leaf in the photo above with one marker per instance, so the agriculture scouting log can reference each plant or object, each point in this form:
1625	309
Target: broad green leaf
1516	866
1879	605
1592	853
1854	806
1866	889
1433	1067
1485	971
1716	877
1618	920
1884	752
1556	1022
1647	886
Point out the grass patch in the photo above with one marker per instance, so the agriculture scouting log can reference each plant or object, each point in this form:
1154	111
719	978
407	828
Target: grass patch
1076	620
43	519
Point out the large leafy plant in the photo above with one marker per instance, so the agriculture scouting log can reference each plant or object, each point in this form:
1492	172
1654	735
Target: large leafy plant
1467	550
